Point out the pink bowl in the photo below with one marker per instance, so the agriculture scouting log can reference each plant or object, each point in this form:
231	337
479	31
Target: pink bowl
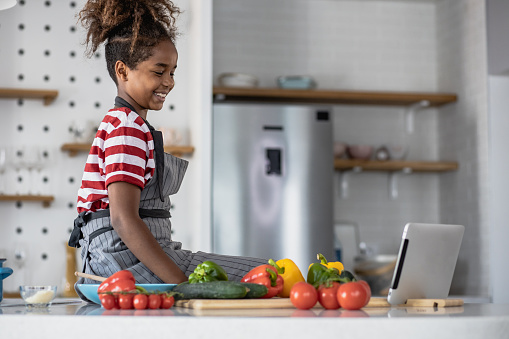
360	151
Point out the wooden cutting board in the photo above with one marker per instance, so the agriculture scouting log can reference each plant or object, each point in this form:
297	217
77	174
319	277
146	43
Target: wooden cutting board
216	304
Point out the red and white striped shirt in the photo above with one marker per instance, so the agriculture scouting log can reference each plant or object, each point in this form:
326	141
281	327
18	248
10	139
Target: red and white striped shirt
123	150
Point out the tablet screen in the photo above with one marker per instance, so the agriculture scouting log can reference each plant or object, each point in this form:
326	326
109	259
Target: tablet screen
426	261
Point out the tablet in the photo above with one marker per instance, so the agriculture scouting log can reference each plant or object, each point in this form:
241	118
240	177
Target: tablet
426	262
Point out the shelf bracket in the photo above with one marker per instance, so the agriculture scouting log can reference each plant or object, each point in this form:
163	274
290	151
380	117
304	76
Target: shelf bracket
393	182
410	113
343	180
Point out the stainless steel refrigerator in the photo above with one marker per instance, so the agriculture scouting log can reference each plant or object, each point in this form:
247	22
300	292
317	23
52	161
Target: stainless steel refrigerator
272	193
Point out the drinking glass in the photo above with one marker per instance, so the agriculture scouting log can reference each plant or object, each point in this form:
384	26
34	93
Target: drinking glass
3	167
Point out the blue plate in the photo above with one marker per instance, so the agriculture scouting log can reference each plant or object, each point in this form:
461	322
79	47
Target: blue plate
90	290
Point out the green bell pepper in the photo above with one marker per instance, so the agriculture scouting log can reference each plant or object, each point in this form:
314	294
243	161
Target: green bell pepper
208	271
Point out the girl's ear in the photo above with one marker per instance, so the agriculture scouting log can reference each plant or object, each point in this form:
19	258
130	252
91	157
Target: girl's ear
121	71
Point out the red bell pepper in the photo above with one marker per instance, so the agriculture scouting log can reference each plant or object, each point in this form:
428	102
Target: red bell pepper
121	281
267	275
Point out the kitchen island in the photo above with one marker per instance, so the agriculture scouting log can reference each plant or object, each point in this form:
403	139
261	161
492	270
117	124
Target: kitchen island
71	318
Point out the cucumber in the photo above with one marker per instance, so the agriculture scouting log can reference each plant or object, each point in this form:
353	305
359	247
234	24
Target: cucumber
255	290
211	290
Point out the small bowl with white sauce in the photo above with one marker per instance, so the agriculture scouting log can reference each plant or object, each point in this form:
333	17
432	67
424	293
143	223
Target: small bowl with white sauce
38	296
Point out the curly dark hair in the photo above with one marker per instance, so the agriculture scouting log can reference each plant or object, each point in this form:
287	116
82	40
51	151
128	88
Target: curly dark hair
130	29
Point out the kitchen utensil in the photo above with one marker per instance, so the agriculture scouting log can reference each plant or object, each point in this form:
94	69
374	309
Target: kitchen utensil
38	296
4	273
3	167
360	151
70	267
397	151
377	271
237	80
90	276
382	154
296	82
90	290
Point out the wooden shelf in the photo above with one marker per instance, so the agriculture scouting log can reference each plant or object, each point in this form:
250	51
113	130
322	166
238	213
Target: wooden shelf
48	96
75	148
45	199
395	165
330	96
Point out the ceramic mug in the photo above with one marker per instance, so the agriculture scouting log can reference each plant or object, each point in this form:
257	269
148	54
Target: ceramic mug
4	273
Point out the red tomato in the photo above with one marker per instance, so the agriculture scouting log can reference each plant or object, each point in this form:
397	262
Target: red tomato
303	295
125	301
154	301
328	296
107	301
167	301
368	290
140	301
352	295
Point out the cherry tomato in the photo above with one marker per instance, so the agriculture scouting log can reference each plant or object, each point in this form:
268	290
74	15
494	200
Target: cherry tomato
140	301
107	301
167	301
303	295
328	296
352	295
125	301
154	301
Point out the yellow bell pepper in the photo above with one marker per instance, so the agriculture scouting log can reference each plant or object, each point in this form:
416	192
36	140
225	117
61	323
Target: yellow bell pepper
336	264
291	276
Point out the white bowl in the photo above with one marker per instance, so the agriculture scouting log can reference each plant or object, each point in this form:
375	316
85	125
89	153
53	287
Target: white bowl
38	296
237	80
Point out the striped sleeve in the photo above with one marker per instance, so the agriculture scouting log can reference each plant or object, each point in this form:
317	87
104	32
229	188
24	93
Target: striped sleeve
123	150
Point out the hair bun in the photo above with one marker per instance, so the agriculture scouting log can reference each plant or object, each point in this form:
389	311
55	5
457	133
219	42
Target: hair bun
127	19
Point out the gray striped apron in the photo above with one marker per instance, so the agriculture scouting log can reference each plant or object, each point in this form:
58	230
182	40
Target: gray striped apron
103	252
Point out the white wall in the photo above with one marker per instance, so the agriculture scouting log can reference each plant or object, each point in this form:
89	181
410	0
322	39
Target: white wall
463	135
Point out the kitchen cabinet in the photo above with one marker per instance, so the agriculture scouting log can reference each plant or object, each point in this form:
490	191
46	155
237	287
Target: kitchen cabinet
75	148
48	96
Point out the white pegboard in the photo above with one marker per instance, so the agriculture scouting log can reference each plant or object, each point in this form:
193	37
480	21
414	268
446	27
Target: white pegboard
41	48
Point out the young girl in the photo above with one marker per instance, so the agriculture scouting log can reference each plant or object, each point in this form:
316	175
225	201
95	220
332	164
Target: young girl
123	201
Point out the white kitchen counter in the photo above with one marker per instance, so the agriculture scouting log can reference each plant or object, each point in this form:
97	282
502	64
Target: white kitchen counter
75	320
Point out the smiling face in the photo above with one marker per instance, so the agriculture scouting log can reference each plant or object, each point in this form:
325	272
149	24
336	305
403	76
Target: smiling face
146	86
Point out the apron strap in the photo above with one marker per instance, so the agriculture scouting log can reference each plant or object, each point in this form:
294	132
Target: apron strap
82	219
158	146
